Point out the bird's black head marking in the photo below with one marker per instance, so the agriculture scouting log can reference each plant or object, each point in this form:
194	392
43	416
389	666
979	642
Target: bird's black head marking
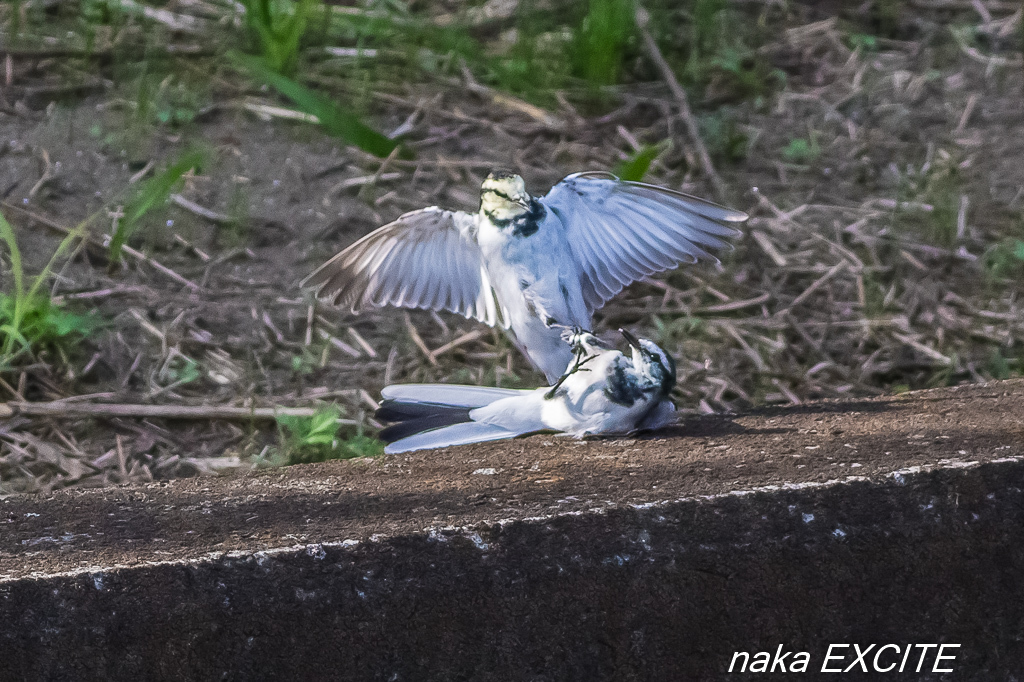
528	223
500	174
499	222
622	388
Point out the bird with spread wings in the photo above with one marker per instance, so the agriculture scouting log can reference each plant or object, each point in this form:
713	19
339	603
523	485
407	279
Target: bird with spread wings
534	266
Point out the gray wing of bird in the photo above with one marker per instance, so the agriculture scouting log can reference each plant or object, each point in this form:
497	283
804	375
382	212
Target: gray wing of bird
448	436
620	231
454	395
426	259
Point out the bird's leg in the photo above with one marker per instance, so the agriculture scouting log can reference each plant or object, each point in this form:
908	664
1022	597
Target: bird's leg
579	351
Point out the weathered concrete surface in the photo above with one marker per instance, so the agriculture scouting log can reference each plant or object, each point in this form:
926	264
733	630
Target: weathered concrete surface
543	559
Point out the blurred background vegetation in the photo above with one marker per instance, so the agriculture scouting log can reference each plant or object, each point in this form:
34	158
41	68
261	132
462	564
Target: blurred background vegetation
170	170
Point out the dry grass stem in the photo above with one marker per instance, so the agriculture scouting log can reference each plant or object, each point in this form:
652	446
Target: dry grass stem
693	130
69	410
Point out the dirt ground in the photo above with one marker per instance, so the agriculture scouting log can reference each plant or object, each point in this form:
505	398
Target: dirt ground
875	259
355	499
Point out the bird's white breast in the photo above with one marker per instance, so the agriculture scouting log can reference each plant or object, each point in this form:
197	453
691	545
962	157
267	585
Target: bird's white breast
537	287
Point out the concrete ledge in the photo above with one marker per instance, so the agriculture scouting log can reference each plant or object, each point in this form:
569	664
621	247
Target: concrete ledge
547	560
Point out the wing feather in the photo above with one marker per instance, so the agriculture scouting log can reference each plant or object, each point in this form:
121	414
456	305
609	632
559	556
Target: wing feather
448	436
426	259
451	395
620	231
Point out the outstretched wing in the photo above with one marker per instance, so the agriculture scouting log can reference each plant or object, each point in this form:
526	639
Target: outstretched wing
620	231
426	259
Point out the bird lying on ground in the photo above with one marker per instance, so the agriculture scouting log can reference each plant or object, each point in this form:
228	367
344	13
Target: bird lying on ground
532	265
601	392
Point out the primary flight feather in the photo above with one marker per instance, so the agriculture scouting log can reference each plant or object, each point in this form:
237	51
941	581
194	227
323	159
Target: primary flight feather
532	265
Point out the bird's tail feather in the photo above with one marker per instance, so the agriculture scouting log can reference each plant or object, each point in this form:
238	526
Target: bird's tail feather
437	415
452	395
456	434
413	417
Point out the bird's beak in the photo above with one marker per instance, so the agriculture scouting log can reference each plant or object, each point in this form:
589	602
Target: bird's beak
630	339
524	202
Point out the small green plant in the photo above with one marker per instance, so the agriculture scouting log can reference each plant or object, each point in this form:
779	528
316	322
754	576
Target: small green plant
178	371
1005	259
317	439
601	40
864	41
534	65
152	192
174	104
719	57
933	203
636	166
705	28
802	150
29	320
236	232
670	333
942	376
278	27
725	140
303	363
998	366
942	191
158	98
874	295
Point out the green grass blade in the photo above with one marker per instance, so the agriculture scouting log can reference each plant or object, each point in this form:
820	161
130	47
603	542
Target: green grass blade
30	321
14	312
154	191
333	119
635	167
62	248
601	39
278	30
10	331
17	271
157	189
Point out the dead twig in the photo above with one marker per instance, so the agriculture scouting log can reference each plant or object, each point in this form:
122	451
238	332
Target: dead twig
976	54
418	340
642	19
924	350
47	176
363	343
765	242
70	409
122	458
735	305
818	283
185	23
759	362
508	101
339	344
201	211
362	180
464	339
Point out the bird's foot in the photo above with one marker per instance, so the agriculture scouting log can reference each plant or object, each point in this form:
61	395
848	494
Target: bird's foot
581	359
